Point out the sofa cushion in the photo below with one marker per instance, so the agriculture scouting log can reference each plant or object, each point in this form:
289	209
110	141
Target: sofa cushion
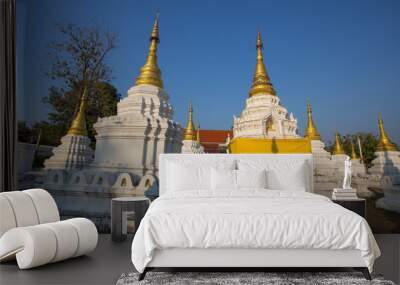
32	246
23	208
7	218
45	205
67	240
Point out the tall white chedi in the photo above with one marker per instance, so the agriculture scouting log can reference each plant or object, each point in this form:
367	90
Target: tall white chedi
143	127
191	140
387	161
317	146
264	116
328	169
74	151
387	166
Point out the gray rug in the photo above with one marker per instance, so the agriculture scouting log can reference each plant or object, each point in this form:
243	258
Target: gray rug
269	278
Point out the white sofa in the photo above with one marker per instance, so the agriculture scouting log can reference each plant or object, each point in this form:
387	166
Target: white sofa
31	230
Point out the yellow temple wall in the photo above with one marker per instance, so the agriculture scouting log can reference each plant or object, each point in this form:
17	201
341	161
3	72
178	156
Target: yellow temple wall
249	145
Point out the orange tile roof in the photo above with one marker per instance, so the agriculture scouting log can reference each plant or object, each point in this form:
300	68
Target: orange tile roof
214	136
212	139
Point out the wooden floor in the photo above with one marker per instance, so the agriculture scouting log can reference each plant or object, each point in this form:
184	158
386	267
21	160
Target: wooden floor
111	259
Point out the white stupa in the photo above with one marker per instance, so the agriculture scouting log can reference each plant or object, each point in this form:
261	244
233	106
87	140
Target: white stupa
74	151
143	127
387	166
387	161
327	174
191	139
264	116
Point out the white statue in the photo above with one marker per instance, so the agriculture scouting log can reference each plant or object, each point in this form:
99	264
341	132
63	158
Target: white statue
347	174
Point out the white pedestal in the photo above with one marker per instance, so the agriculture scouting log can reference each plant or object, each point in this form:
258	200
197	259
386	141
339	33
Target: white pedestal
344	194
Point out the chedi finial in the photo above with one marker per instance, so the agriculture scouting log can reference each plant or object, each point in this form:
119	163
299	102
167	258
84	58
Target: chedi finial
198	133
190	134
78	125
338	145
384	141
150	73
261	82
311	131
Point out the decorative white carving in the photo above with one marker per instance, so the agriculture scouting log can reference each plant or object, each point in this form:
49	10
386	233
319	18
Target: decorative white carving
264	117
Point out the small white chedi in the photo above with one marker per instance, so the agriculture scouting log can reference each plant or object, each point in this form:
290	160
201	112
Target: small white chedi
386	166
74	151
328	168
191	139
387	161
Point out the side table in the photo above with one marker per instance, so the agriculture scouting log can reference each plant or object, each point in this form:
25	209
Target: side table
357	205
120	207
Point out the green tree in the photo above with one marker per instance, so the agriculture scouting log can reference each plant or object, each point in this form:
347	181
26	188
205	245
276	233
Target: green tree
78	61
48	134
25	133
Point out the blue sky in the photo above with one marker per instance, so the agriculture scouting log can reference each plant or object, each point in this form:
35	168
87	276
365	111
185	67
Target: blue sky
343	55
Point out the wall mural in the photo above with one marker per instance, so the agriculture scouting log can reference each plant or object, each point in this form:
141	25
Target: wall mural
96	145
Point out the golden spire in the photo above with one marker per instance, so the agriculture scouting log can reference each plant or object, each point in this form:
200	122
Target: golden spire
311	131
150	73
261	82
353	151
338	145
190	134
384	142
78	126
198	133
